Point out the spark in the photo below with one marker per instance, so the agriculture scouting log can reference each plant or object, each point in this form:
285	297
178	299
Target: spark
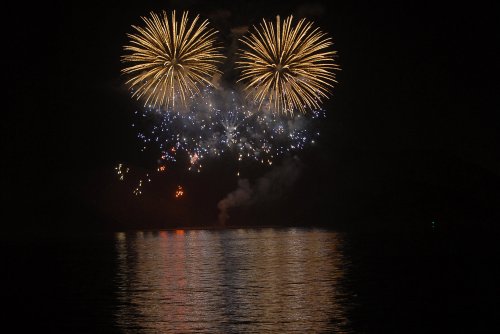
138	190
121	171
179	192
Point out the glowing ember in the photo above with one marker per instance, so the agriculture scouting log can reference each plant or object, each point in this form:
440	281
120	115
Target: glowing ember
179	192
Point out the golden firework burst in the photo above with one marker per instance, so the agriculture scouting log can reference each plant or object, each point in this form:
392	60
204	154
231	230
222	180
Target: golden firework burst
289	67
168	59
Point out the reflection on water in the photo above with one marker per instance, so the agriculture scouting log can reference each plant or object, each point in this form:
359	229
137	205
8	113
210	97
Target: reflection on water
231	281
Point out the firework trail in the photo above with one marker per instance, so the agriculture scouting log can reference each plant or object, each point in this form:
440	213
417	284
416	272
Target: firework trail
288	67
169	59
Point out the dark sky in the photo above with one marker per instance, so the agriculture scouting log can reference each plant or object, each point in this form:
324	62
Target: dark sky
411	130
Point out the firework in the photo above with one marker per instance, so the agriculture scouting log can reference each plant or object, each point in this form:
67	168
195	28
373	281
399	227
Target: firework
289	67
223	123
168	59
217	124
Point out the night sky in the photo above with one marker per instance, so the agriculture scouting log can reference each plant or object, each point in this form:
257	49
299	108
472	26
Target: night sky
411	134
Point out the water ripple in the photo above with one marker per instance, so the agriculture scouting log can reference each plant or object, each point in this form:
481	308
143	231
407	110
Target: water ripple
232	281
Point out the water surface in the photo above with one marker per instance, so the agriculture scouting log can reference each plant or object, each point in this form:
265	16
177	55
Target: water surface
232	281
250	281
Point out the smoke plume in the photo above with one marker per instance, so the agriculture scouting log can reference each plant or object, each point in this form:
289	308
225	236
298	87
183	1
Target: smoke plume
272	186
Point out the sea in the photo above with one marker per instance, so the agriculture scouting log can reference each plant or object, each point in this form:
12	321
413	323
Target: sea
247	280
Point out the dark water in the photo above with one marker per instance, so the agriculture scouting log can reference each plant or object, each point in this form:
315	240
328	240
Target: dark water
247	281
